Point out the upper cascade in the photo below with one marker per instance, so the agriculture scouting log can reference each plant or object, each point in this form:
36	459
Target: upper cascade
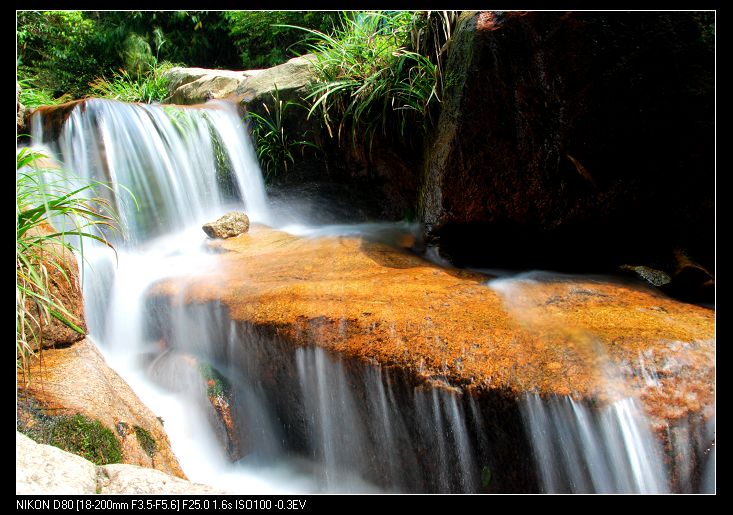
184	164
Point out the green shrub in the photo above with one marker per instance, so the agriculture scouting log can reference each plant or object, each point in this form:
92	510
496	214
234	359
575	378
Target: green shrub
32	96
274	145
371	78
263	38
63	51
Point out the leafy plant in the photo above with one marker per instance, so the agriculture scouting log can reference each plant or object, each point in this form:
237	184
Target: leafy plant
372	76
32	96
273	142
144	86
44	194
266	38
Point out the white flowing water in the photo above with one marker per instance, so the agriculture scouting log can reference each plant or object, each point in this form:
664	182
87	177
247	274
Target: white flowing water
306	420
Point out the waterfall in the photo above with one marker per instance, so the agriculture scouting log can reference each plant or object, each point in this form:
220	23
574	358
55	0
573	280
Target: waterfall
286	419
184	165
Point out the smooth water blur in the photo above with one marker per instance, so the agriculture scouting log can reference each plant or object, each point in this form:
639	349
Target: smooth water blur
183	165
583	450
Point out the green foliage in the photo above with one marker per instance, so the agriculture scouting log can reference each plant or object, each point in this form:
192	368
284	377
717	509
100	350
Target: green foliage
44	194
62	51
263	38
196	38
370	76
147	86
274	144
32	96
146	441
65	51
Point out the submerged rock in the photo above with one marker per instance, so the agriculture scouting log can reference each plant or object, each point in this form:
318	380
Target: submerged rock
230	225
77	379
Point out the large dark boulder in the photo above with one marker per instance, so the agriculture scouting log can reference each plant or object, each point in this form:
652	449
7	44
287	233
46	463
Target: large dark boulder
574	140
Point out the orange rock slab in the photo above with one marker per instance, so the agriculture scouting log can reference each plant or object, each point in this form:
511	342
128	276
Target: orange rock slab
589	337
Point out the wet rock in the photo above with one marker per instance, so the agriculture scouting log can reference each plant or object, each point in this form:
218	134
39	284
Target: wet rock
209	389
552	149
545	334
53	118
651	275
76	379
230	225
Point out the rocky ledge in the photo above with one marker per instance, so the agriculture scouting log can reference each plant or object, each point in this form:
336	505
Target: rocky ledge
43	469
76	381
544	333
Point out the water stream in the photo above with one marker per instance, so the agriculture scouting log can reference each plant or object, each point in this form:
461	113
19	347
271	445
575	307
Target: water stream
307	420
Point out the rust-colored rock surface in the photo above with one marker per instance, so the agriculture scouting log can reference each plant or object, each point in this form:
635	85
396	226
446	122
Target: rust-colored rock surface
62	276
76	379
553	335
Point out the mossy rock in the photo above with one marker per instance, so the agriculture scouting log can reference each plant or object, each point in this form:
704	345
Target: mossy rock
216	384
146	441
86	437
77	434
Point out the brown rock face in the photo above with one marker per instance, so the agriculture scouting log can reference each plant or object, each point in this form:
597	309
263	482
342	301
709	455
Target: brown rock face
574	140
229	225
552	335
20	112
76	379
64	288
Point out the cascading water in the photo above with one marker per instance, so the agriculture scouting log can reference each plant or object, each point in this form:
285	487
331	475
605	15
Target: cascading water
305	419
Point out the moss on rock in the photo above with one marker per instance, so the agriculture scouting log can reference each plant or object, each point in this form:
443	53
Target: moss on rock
146	441
87	438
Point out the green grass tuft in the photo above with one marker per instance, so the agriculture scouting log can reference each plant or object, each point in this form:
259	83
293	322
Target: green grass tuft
149	86
380	71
